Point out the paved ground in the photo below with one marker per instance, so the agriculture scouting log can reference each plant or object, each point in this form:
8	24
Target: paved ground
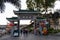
31	37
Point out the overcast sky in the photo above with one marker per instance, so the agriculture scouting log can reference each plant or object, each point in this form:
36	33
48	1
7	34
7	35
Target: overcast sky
9	12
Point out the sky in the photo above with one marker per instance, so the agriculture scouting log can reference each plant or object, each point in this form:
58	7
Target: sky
57	5
9	12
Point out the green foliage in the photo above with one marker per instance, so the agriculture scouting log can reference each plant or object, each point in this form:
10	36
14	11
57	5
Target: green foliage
58	30
52	31
39	4
30	4
45	3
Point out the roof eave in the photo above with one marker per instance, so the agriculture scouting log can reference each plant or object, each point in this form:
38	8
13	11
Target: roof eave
26	12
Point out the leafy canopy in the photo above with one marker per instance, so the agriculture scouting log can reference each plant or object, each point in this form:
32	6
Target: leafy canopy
14	2
31	4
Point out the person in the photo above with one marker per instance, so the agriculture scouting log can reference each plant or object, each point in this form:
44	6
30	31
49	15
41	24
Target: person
40	27
13	29
47	24
35	31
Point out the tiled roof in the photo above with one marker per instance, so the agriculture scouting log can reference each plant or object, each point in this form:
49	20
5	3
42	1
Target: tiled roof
13	18
26	11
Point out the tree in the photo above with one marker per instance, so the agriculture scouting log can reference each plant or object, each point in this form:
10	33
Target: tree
14	2
30	4
55	17
40	4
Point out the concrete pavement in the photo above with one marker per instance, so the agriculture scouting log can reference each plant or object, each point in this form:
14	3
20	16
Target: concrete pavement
31	37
